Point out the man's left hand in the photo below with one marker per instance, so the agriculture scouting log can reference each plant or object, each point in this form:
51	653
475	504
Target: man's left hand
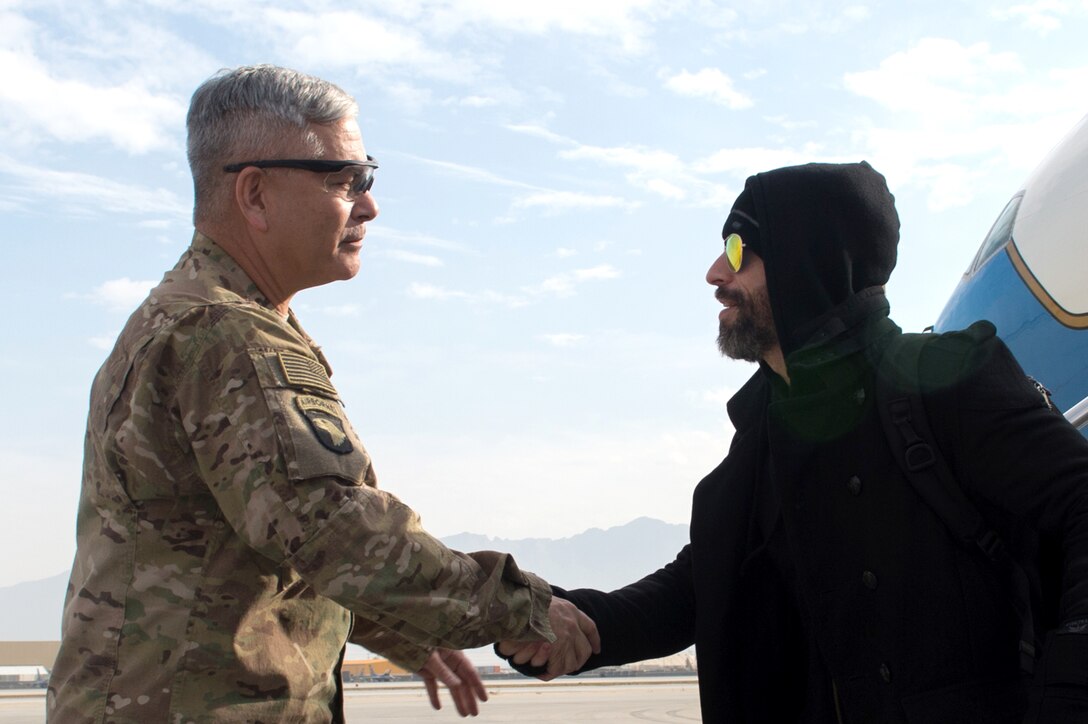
453	669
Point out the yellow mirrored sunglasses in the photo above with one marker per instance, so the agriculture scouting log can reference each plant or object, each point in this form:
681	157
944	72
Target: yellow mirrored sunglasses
734	251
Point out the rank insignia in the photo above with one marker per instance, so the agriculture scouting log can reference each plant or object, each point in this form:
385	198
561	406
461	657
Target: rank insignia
324	418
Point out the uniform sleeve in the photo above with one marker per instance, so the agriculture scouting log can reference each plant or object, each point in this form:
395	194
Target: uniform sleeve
272	443
406	654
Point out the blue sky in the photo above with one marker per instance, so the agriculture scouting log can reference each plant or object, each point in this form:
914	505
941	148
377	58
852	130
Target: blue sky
529	348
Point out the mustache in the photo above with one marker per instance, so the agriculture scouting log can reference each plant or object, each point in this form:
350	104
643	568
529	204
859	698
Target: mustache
729	297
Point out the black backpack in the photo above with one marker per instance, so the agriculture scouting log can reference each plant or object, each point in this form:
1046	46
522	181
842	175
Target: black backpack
915	448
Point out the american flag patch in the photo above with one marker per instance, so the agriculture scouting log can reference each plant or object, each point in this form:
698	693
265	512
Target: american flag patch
305	372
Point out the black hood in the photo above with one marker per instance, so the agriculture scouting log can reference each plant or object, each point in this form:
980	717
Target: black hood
825	233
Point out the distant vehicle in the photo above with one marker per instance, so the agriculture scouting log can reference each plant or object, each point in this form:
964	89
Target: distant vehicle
1030	277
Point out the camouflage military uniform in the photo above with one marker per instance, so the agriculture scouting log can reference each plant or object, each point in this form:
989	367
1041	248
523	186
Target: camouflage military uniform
230	527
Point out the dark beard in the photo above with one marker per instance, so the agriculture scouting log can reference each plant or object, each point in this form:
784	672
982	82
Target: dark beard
751	334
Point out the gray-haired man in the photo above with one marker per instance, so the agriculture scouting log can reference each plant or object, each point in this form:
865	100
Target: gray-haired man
231	534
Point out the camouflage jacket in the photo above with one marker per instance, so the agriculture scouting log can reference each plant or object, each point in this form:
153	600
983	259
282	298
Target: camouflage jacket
230	527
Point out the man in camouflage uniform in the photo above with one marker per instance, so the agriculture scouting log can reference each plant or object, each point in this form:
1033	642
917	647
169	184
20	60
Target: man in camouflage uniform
231	535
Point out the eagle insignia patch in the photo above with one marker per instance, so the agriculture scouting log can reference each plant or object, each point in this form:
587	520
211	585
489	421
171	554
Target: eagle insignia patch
326	423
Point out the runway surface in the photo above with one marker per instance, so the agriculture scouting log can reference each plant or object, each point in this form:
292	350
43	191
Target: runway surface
668	699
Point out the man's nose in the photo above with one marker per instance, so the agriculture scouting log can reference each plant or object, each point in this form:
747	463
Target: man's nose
365	208
720	273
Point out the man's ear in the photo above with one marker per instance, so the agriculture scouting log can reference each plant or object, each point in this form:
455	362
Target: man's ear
251	195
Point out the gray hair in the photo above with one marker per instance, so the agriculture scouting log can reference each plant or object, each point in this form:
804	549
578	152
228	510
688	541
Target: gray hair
253	112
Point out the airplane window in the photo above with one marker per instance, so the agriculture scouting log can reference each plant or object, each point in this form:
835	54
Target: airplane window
1000	233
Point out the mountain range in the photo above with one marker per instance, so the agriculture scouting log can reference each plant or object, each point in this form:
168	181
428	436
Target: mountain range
604	559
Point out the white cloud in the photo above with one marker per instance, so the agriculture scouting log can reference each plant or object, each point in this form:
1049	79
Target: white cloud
564	253
1043	16
34	101
660	172
666	189
103	342
12	204
121	294
342	310
563	200
745	161
857	12
628	22
408	96
950	185
539	196
993	113
709	83
540	132
410	257
788	124
602	271
477	101
564	285
96	194
558	285
419	290
317	40
474	173
718	397
562	339
804	19
379	232
940	77
638	157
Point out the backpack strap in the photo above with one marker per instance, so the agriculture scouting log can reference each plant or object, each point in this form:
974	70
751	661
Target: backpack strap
906	427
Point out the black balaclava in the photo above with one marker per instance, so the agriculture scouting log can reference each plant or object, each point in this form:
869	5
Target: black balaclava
824	231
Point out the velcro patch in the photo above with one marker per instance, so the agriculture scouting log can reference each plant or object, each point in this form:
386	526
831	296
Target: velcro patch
305	372
324	418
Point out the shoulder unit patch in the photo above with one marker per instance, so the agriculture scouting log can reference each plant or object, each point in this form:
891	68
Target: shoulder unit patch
324	418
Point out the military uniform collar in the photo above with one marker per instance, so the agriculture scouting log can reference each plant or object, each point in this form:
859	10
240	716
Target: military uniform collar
231	278
229	275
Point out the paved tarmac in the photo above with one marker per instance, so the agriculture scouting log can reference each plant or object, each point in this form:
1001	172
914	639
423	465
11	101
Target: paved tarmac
666	699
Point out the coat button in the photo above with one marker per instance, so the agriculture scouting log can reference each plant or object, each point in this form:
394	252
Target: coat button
869	579
885	673
859	396
854	485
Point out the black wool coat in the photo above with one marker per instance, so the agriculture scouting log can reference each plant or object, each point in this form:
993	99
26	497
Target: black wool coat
883	616
817	585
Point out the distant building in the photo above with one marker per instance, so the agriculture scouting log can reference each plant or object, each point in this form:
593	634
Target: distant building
26	664
372	670
29	653
677	663
680	664
23	677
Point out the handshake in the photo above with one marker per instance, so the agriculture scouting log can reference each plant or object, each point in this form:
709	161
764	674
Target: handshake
576	638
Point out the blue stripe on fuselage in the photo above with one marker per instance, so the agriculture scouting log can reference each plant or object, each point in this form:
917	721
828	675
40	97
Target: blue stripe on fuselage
1049	351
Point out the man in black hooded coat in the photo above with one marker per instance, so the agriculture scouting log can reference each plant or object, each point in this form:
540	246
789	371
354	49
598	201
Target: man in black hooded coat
818	586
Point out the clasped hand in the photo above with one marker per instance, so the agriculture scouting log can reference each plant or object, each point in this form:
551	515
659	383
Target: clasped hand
576	638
